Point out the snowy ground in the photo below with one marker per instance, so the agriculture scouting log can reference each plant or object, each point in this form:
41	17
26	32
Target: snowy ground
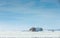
17	34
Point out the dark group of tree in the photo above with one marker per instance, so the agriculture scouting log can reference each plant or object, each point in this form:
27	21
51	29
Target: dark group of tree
33	29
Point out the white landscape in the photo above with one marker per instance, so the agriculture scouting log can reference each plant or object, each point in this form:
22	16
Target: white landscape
41	16
18	34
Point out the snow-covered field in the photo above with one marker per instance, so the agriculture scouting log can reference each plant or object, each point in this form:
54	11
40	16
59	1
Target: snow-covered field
17	34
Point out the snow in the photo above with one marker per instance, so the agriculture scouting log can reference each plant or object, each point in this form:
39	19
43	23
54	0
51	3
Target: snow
18	34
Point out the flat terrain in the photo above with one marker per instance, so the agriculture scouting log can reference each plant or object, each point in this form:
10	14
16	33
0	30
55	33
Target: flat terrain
17	34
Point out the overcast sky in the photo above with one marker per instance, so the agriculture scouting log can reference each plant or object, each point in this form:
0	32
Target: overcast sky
23	14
